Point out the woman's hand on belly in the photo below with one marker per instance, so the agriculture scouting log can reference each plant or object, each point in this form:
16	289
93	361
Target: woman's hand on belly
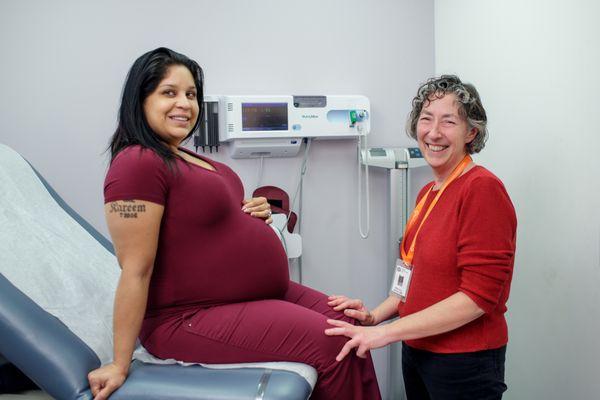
258	207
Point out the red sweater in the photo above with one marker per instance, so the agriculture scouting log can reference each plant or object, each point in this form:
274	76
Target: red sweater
467	244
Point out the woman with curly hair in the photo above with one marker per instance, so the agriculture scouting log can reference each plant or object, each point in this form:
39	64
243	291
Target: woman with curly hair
457	253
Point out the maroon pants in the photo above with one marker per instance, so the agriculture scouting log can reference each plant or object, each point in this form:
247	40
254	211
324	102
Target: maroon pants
289	329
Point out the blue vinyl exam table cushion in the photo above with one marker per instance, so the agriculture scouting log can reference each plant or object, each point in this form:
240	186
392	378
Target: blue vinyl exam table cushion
57	282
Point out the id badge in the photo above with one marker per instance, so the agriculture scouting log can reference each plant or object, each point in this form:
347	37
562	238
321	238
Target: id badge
401	281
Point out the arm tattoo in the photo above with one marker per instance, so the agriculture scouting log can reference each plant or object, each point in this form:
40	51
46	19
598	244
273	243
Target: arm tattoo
126	208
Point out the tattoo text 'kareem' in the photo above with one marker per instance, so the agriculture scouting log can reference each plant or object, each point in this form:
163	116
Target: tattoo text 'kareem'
127	210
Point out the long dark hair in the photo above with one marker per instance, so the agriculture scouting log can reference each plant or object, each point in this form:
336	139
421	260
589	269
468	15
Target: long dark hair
143	78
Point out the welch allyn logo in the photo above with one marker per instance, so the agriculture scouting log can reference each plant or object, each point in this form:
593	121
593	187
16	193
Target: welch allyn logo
309	116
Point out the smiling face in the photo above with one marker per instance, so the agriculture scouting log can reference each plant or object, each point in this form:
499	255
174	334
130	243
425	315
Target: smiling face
172	108
443	134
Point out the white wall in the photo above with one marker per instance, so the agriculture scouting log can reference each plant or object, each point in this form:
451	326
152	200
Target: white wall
64	63
536	65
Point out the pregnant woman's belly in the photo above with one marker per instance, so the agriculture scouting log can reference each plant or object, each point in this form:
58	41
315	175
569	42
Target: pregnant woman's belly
239	259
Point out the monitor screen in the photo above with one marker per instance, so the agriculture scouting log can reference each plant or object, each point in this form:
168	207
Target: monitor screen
264	116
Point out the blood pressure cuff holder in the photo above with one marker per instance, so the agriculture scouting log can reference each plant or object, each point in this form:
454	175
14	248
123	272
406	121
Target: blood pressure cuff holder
57	281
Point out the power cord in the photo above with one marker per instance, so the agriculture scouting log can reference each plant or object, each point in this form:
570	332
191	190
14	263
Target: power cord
363	139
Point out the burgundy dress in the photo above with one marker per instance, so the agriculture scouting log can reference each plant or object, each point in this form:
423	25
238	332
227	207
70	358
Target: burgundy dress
220	290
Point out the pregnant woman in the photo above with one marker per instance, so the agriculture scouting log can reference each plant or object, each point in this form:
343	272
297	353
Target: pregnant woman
204	278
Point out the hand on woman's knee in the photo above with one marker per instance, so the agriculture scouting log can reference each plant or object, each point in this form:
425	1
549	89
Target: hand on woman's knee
352	308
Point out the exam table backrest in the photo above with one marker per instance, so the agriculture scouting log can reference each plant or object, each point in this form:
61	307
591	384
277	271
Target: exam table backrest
38	255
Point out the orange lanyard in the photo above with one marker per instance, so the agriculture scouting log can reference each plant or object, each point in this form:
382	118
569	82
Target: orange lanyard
407	258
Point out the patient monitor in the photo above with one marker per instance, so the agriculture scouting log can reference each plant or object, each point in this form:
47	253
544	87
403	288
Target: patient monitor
274	126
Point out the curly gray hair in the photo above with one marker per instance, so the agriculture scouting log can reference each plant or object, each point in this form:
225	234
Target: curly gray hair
470	107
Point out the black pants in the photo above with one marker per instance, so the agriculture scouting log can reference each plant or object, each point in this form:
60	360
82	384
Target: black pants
469	376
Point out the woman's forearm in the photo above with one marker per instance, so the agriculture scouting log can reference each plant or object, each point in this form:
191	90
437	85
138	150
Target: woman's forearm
386	310
444	316
130	305
135	241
